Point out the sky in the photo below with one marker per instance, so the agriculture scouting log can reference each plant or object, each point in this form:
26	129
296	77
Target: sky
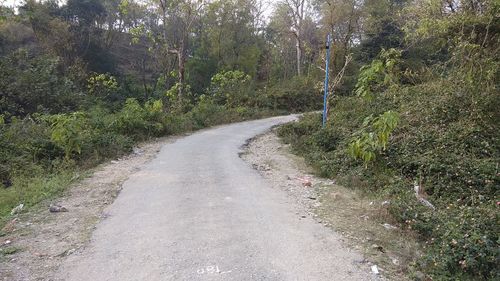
267	11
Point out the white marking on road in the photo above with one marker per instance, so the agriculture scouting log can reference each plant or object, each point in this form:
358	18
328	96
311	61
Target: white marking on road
211	269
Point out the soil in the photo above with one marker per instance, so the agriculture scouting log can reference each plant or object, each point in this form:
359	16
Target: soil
39	240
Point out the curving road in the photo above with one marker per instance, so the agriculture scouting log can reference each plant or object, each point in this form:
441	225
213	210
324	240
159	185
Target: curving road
198	212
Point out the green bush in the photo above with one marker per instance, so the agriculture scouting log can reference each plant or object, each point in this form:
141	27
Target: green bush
299	94
30	85
140	122
230	88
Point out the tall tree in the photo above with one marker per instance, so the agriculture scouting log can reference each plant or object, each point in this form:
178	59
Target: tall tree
296	12
178	18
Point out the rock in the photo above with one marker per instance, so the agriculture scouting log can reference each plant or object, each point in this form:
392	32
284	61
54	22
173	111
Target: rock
17	209
264	167
375	269
389	226
137	151
10	226
386	203
335	195
306	181
361	261
419	276
7	242
377	247
57	209
67	253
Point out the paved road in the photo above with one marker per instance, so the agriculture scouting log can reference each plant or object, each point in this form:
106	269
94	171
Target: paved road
198	212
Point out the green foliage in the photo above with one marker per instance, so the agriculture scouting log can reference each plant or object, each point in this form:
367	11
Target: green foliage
140	122
230	88
69	131
378	74
9	251
467	242
435	64
374	136
30	85
101	85
296	95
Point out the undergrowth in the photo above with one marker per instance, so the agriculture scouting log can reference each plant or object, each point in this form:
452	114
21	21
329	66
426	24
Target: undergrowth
445	145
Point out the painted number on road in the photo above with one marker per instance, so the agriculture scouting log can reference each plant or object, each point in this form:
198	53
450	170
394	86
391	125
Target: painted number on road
211	269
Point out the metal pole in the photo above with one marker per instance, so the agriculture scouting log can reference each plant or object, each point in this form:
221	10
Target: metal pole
325	97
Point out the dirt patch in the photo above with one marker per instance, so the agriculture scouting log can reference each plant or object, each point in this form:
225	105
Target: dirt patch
364	223
39	240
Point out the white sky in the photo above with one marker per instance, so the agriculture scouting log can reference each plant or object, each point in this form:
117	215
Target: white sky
268	6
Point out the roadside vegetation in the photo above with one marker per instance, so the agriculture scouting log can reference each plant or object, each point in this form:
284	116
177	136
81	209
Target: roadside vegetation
421	129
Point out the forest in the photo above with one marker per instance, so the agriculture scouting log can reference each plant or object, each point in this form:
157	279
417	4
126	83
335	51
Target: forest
413	104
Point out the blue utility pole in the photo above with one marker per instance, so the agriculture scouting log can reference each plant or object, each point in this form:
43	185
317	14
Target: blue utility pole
325	97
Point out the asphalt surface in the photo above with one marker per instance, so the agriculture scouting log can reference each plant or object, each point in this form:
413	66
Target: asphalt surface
198	212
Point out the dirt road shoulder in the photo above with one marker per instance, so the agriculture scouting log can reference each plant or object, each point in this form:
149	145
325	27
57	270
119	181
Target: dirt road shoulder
40	239
363	222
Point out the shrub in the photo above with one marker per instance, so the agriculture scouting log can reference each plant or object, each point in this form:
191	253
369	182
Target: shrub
101	85
69	131
30	85
138	121
299	94
374	136
231	88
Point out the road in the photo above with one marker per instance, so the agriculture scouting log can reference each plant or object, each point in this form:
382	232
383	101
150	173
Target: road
198	212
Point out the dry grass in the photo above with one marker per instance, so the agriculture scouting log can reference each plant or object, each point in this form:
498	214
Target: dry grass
362	220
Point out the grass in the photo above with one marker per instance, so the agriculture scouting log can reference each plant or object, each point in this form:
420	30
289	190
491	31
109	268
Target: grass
9	251
31	191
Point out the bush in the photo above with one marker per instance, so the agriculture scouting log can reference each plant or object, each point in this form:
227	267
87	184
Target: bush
299	94
30	85
140	122
230	88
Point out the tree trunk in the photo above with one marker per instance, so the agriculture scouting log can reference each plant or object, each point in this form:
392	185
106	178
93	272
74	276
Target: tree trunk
181	64
181	56
299	54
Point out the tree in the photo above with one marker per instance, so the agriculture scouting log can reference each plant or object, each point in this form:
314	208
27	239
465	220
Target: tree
177	20
296	12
